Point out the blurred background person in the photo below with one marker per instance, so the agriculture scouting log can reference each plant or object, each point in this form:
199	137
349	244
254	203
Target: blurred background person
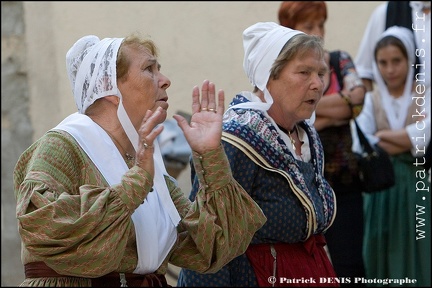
414	15
397	220
342	100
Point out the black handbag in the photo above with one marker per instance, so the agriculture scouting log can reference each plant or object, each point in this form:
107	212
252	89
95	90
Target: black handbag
374	164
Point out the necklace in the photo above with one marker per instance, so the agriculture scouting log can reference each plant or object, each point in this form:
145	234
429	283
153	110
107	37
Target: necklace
128	156
289	135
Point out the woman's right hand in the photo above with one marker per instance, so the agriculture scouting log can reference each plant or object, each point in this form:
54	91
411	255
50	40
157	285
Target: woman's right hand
147	133
204	131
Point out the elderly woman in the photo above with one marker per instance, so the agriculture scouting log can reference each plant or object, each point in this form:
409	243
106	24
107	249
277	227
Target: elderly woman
342	100
276	155
95	206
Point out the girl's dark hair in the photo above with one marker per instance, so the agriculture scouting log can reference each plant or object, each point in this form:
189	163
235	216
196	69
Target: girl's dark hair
390	41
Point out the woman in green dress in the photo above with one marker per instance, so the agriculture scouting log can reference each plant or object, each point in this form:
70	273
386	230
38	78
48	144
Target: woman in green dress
397	116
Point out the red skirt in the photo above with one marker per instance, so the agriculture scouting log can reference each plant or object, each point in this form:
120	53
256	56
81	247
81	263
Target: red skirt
303	264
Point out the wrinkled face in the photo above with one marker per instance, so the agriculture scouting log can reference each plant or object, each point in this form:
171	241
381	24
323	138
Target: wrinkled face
298	88
312	26
393	67
144	87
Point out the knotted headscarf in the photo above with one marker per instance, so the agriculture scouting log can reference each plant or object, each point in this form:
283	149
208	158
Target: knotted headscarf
91	67
91	64
262	43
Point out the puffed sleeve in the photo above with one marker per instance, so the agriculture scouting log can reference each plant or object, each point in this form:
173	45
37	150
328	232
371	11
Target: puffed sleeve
222	220
67	214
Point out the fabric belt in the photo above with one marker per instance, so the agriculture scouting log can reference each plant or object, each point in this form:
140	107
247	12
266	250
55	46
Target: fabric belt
113	279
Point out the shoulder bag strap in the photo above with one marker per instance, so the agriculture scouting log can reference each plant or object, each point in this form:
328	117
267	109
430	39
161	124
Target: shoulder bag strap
363	141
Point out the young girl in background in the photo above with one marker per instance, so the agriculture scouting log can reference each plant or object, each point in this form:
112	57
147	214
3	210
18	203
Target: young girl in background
397	220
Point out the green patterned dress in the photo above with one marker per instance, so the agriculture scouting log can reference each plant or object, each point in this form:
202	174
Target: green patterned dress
69	218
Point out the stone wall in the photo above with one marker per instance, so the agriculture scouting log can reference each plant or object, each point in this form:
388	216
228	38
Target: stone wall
16	131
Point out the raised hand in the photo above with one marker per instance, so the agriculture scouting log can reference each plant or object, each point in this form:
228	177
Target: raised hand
205	129
147	134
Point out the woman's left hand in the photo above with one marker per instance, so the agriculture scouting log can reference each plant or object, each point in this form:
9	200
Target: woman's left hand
205	129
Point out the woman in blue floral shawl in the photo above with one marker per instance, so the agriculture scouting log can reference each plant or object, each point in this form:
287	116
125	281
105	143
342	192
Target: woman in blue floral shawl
276	155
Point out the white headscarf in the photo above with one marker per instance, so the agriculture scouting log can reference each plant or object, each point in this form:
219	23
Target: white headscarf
262	43
404	101
91	66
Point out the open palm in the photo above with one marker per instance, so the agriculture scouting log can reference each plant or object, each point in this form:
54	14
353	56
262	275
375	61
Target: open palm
204	131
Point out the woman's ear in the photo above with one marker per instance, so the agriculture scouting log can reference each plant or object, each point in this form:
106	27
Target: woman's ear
113	99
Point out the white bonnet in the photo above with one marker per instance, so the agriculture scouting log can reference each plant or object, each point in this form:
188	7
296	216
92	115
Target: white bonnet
91	67
262	44
406	36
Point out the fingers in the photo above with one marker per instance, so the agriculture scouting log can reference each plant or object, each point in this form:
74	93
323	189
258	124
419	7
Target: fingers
221	102
181	121
148	130
147	133
196	106
205	94
145	145
211	102
208	98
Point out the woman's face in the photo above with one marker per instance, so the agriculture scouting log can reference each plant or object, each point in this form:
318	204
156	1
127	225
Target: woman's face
298	88
144	87
393	67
